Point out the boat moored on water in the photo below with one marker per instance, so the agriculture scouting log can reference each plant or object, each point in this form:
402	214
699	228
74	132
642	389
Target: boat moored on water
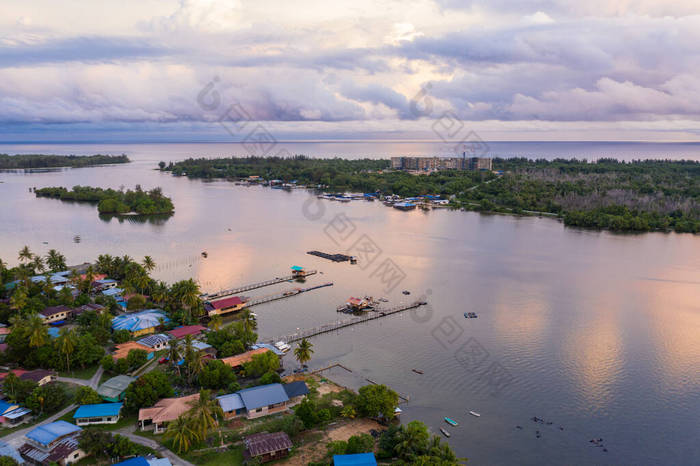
282	346
451	422
404	206
444	432
474	414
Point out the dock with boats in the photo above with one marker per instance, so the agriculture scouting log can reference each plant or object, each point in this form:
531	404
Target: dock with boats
332	257
376	314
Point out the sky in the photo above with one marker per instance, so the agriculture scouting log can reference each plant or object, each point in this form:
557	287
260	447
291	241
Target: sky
196	70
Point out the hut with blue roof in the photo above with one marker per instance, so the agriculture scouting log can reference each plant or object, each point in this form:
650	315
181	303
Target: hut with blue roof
100	413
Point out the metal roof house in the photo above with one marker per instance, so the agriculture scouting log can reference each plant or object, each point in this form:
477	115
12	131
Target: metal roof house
102	413
256	401
55	313
296	391
358	459
164	411
158	341
140	323
182	332
53	443
12	413
112	390
224	306
266	447
145	461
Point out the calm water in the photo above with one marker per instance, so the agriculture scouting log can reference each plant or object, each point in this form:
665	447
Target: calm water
597	333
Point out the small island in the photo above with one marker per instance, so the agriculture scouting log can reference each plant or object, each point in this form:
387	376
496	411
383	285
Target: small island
28	161
607	194
110	201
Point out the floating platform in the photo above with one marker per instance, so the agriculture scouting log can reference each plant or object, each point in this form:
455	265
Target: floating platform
332	257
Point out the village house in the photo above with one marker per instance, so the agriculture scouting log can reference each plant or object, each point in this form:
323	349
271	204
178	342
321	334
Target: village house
225	306
237	361
56	442
55	313
101	413
38	376
182	332
140	323
113	389
158	341
262	400
98	308
164	411
265	447
122	350
12	414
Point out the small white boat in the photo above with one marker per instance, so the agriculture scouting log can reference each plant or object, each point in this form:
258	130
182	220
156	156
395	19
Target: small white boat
282	346
474	414
444	432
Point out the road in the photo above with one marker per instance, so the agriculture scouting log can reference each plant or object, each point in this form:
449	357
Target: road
92	382
129	433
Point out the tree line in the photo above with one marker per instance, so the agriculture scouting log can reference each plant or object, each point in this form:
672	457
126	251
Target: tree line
20	161
110	201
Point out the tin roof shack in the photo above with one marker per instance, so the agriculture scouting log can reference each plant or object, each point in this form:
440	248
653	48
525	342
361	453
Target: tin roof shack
265	447
158	342
182	332
56	442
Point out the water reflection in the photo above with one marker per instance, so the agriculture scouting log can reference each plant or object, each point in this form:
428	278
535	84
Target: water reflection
155	219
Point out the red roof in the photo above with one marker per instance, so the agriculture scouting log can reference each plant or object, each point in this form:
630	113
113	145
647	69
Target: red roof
227	302
181	332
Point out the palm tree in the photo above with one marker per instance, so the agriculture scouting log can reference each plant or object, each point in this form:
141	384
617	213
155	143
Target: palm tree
25	255
216	322
89	277
181	433
19	298
104	263
303	351
37	264
205	414
148	264
249	325
174	353
67	341
159	292
187	292
196	364
38	335
55	260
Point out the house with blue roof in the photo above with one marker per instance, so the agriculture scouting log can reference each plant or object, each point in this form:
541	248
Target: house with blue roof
357	459
145	461
101	413
261	401
12	414
47	435
8	450
140	323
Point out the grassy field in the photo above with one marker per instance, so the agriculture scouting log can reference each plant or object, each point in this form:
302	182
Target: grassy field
231	457
85	374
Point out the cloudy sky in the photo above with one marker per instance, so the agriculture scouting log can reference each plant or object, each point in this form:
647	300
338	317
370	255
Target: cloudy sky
508	69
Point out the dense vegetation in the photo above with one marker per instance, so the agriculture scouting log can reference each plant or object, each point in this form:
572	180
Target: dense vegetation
110	201
53	161
641	195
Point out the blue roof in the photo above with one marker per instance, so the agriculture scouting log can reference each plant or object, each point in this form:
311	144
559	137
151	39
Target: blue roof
98	410
112	292
297	388
7	450
358	459
49	432
230	402
106	281
137	461
139	320
297	268
53	332
5	406
268	346
264	395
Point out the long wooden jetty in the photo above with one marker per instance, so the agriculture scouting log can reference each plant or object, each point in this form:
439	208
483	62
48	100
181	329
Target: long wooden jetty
372	315
253	286
284	294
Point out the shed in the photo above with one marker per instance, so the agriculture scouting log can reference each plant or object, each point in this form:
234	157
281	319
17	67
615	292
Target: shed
267	447
114	388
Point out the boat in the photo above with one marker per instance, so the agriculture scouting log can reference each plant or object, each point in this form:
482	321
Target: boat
444	432
204	254
404	206
282	346
474	414
451	422
406	292
417	371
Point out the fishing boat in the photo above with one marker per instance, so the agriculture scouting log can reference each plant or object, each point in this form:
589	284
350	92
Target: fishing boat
282	346
444	432
404	206
451	422
474	414
417	371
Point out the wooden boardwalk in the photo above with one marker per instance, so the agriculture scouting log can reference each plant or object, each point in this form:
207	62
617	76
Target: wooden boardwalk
252	286
371	315
283	294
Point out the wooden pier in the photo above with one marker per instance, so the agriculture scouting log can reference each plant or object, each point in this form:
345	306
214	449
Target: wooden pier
372	315
253	286
284	294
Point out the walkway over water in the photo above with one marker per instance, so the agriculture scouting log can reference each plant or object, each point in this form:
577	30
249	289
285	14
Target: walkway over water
371	315
253	286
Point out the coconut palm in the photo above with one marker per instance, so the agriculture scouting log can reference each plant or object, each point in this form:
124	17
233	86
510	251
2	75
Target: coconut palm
303	351
37	264
55	261
205	414
25	255
181	433
19	298
38	335
104	264
216	322
195	364
186	293
67	341
159	293
249	326
148	264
